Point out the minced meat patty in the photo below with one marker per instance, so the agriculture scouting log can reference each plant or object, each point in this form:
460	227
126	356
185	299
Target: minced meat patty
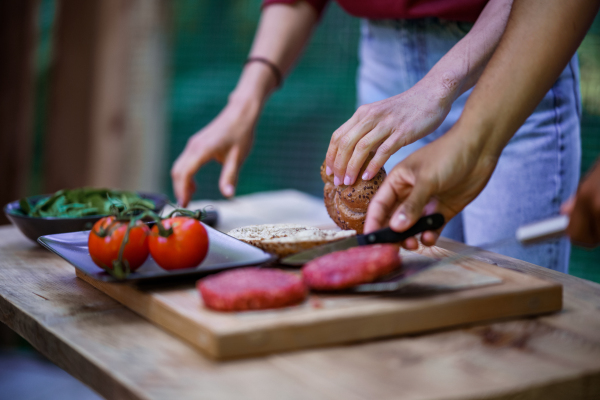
348	268
251	289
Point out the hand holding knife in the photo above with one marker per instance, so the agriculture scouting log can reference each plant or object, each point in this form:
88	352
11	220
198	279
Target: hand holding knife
385	235
526	234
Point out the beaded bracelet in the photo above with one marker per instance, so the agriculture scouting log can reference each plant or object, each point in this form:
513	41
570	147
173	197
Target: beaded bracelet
276	71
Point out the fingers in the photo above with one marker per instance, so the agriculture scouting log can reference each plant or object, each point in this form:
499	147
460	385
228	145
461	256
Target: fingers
407	214
333	143
567	207
367	144
344	141
182	173
394	189
429	238
409	200
183	184
381	207
229	172
383	153
411	209
584	225
580	229
358	144
189	192
346	148
410	244
376	126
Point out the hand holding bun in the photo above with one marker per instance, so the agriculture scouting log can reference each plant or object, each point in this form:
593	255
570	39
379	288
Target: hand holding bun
347	204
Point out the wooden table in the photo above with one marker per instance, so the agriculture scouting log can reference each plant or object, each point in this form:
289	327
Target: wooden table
121	355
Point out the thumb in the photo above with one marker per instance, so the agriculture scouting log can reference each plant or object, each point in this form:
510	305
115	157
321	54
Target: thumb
411	209
229	173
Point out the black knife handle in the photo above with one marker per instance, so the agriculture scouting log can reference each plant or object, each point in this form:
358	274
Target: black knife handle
211	218
387	235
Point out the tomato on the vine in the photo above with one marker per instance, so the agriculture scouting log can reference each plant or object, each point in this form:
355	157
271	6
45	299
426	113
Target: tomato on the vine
104	243
185	247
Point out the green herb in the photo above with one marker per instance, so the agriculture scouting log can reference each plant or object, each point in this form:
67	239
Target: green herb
83	202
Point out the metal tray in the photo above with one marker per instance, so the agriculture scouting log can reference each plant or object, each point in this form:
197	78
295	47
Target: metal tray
224	252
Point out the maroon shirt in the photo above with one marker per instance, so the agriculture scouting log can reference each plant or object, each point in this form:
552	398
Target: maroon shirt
454	10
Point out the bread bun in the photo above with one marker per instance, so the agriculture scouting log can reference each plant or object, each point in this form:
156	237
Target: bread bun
286	239
347	204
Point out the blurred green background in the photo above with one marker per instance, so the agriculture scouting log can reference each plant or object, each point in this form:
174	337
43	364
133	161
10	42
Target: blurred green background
209	42
297	122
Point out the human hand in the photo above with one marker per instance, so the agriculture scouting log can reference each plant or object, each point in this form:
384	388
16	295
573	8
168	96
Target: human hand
227	139
443	176
584	209
386	126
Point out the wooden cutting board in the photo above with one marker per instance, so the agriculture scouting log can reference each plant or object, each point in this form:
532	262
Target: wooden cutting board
336	319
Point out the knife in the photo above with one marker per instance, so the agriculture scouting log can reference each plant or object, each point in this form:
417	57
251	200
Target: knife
385	235
525	235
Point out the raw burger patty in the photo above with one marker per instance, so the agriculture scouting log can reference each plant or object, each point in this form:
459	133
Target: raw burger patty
347	268
251	289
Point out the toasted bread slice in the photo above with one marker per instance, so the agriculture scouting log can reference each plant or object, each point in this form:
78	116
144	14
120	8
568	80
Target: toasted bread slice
286	239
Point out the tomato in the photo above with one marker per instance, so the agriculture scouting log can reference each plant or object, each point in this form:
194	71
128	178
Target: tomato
105	250
186	247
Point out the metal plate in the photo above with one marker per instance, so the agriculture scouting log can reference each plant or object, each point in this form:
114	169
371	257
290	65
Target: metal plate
420	274
224	252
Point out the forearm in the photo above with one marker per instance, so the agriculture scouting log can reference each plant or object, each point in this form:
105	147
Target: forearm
462	66
281	35
540	38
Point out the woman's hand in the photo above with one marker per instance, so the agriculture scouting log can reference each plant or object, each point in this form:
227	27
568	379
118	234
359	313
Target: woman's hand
386	126
227	139
584	209
282	33
443	176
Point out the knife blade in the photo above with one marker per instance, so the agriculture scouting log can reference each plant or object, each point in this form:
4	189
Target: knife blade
385	235
525	235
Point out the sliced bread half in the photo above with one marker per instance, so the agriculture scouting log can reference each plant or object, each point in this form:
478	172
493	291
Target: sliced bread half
286	239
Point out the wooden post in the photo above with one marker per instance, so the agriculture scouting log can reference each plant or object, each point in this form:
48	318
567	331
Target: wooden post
67	140
145	165
76	91
99	133
17	49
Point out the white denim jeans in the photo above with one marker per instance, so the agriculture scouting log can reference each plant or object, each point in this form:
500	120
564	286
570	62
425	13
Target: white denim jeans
537	171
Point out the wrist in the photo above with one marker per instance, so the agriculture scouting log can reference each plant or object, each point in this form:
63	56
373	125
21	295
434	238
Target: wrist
243	109
478	136
252	90
246	106
255	85
444	86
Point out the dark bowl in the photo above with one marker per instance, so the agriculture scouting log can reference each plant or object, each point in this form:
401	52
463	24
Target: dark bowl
34	227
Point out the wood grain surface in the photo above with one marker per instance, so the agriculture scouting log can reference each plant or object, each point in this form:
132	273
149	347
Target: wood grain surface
326	319
123	356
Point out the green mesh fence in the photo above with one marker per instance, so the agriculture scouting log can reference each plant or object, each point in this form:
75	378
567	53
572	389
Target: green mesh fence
586	263
211	41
